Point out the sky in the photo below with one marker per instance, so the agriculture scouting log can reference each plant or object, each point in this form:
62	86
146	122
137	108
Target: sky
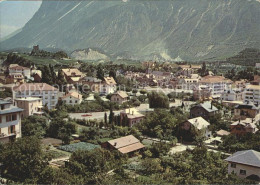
15	14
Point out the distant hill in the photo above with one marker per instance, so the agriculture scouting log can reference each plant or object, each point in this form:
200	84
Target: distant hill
247	57
164	30
89	54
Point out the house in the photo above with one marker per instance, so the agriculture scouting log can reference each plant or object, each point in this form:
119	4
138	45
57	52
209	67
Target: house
125	145
200	124
90	83
188	83
188	70
10	121
256	80
30	106
72	75
231	95
119	97
241	127
217	84
130	117
205	110
26	72
108	86
252	94
72	98
245	164
46	92
246	110
14	78
202	92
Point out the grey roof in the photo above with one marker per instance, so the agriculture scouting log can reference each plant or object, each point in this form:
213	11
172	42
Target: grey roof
207	106
248	157
247	106
3	102
10	110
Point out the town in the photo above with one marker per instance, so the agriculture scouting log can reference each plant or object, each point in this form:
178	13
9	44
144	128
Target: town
67	121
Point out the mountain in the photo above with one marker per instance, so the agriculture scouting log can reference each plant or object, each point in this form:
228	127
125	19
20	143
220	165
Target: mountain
188	29
248	57
89	54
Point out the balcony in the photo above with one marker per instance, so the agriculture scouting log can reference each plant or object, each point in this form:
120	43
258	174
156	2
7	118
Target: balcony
3	135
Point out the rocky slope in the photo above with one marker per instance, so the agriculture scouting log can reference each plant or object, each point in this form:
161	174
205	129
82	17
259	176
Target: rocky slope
189	29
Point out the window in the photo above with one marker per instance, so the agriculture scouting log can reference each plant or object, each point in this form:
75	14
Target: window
242	172
233	165
70	101
8	118
0	119
2	107
14	117
76	101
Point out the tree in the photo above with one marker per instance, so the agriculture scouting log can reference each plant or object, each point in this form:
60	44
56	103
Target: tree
23	159
158	100
34	126
105	119
111	116
100	72
160	123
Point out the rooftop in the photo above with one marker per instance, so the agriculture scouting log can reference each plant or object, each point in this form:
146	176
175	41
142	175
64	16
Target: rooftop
207	106
247	157
199	123
28	99
122	94
34	87
126	144
110	81
215	79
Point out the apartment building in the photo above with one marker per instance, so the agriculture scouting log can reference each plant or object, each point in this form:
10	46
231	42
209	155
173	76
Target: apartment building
231	95
30	105
217	84
10	121
252	94
46	92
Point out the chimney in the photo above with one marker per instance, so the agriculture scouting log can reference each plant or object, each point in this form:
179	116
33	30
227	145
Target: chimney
211	105
252	120
132	112
239	120
115	143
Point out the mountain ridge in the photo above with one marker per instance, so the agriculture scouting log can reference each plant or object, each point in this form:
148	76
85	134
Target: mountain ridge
190	29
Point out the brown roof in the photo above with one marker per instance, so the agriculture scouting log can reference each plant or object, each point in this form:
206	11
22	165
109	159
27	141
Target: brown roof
190	66
131	148
72	72
73	94
35	87
110	81
214	79
126	144
18	67
122	94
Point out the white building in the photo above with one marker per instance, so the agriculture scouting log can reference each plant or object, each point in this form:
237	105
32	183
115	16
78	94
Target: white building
10	121
200	124
14	69
232	95
72	98
108	86
31	106
46	92
252	94
217	84
245	164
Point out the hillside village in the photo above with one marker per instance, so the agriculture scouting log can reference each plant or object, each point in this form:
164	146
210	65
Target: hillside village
177	123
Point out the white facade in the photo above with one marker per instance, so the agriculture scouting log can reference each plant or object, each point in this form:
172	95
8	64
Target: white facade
107	89
10	122
47	93
72	98
242	170
217	88
252	94
25	71
232	95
